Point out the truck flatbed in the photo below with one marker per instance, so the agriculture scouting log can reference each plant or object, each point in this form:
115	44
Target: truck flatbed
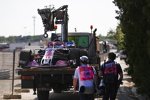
46	70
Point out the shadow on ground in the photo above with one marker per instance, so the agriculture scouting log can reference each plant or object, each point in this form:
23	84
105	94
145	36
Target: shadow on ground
127	91
63	96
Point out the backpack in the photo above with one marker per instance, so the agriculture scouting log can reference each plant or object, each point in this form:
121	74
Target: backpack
110	75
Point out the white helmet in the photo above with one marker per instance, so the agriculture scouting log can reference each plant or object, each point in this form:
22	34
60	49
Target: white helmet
84	58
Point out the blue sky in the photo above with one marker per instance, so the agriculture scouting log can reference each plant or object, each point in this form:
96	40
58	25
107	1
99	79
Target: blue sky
16	16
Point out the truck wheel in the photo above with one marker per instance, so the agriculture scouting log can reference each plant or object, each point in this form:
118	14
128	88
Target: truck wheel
43	95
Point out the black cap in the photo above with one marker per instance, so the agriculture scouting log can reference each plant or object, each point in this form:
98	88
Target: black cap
112	56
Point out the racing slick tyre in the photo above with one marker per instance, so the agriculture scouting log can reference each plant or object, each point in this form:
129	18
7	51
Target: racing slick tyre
24	58
74	54
83	53
42	95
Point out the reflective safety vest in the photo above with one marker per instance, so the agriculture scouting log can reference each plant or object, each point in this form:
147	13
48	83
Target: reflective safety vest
110	73
86	73
110	68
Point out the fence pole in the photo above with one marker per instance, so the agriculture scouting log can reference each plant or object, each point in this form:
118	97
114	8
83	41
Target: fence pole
13	71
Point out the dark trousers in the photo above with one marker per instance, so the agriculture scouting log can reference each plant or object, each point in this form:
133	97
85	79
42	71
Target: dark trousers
110	91
86	96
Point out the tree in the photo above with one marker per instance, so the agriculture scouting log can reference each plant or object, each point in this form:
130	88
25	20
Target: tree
110	34
11	39
101	37
2	39
119	36
135	20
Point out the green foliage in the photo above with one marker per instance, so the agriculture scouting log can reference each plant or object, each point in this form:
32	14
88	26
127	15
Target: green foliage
135	20
111	34
14	39
102	38
2	39
119	36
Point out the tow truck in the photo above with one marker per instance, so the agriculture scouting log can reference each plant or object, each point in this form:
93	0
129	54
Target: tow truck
52	68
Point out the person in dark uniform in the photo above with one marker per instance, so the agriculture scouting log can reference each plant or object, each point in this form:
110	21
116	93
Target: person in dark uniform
112	75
